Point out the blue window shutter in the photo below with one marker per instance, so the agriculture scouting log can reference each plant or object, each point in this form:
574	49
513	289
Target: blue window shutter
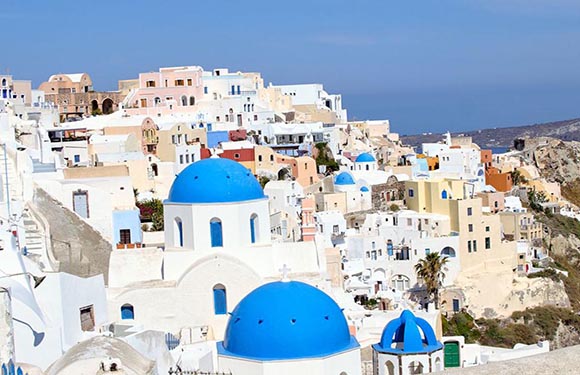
219	301
216	234
253	229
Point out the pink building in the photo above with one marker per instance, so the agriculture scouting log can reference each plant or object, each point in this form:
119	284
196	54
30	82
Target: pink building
169	90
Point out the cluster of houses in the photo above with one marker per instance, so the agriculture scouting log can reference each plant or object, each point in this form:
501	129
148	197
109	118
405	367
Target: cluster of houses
281	220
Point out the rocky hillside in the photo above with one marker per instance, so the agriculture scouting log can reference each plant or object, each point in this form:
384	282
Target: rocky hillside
568	130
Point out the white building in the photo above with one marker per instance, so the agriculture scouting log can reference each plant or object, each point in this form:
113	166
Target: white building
217	249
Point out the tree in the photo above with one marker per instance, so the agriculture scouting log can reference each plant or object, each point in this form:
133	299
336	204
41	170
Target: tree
152	209
517	177
536	198
430	270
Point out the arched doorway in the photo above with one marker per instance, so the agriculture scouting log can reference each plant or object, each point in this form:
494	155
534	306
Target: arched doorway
108	106
127	312
416	367
94	105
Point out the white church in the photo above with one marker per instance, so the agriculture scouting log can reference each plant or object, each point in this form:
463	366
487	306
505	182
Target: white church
217	250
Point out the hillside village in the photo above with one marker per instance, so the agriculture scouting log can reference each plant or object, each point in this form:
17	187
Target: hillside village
202	221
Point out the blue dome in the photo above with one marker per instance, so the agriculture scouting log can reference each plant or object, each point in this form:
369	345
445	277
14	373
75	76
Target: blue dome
364	189
286	320
215	180
344	178
365	158
408	335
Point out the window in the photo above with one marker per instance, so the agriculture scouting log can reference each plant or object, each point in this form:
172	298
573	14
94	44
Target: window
411	193
236	156
469	246
81	203
474	246
143	102
444	194
192	100
271	157
179	82
77	158
448	251
87	318
470	227
216	232
469	211
254	228
178	232
335	229
189	82
487	229
487	243
259	157
368	254
205	89
427	251
150	84
127	312
183	100
180	159
220	304
125	236
187	158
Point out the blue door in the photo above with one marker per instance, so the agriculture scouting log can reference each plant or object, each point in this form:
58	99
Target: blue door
216	233
219	300
455	305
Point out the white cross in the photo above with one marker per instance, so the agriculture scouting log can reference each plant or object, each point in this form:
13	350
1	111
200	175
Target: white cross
285	270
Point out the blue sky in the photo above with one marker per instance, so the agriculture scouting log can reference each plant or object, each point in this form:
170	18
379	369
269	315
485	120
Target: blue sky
428	65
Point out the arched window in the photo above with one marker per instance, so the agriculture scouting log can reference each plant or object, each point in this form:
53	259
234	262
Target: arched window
4	82
127	312
400	282
155	169
254	228
444	194
184	100
178	232
215	226
368	167
220	303
389	368
157	101
192	100
448	251
415	367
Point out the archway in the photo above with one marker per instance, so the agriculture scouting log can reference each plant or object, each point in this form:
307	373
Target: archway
108	106
415	367
94	105
389	368
448	251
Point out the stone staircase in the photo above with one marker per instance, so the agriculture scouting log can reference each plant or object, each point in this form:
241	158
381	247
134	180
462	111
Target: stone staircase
36	242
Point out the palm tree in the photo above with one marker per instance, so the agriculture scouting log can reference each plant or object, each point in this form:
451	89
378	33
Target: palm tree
430	270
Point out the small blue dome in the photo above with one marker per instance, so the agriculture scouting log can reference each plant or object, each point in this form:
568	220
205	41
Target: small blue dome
286	320
364	189
365	158
215	180
344	178
408	335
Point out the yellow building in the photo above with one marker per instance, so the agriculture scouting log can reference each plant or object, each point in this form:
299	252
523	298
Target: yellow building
481	245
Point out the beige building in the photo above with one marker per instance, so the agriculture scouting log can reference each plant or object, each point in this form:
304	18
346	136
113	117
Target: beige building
176	134
75	97
521	226
481	245
142	127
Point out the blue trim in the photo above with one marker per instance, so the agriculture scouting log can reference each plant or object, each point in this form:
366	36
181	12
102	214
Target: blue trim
180	230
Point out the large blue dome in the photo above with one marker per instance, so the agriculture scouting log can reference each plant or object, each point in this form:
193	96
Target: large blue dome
286	320
344	178
215	180
365	158
408	334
